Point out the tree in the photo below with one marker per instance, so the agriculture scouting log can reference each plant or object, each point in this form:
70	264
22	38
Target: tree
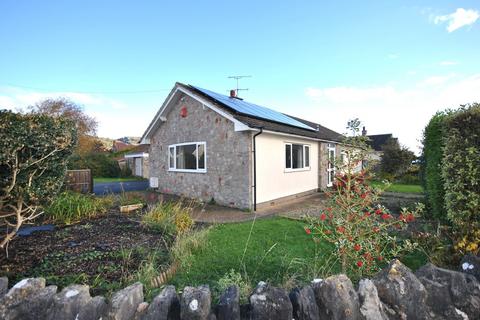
396	159
86	125
34	150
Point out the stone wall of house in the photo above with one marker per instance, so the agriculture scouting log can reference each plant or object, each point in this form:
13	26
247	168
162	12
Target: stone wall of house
228	155
394	293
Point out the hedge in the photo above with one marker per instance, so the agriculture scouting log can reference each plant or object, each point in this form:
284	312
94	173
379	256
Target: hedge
433	142
461	168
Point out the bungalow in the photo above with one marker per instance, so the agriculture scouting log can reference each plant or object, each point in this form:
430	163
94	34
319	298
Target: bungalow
208	146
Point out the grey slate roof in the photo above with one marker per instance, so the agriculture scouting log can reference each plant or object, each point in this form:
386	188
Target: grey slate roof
378	140
321	133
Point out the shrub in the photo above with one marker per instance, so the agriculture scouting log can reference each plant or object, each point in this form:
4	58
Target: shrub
170	218
101	164
461	175
33	155
433	142
359	231
396	159
70	207
411	176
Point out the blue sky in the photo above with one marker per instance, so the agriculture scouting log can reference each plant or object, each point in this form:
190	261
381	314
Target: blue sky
390	63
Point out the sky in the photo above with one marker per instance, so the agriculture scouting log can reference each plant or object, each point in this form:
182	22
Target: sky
392	64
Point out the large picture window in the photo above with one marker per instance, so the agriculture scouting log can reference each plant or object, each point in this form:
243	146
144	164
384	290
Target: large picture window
187	157
297	156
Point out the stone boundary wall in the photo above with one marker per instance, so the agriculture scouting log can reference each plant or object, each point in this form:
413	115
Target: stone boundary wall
394	293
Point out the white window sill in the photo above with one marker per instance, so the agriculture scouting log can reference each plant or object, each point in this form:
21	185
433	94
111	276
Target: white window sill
188	170
297	170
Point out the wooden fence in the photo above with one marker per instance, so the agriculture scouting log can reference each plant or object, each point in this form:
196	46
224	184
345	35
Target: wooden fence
79	181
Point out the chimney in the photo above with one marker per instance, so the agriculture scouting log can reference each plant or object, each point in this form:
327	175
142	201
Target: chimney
233	93
364	132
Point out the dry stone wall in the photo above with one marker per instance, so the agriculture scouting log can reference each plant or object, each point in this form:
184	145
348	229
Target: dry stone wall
394	293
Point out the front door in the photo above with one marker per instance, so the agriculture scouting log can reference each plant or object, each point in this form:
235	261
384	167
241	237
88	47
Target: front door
331	165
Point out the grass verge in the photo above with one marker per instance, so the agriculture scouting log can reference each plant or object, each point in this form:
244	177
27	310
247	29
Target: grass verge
126	179
400	188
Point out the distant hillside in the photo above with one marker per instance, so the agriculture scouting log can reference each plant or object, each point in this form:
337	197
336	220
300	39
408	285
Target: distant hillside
107	142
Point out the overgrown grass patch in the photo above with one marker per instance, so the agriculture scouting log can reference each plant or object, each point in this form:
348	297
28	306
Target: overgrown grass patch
70	207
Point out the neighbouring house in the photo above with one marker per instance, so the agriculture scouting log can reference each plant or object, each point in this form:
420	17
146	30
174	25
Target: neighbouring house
119	146
137	160
376	142
208	146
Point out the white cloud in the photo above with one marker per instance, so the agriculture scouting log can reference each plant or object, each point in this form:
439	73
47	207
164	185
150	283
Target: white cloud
435	80
116	118
448	63
458	19
391	109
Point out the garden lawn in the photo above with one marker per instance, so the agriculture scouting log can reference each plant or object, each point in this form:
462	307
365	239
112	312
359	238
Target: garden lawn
274	246
103	179
401	188
279	252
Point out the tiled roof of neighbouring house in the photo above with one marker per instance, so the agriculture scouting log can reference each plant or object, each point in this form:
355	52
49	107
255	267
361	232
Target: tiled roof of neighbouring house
142	148
256	116
378	140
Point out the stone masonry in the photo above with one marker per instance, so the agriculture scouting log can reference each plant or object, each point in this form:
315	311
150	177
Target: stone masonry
394	293
228	155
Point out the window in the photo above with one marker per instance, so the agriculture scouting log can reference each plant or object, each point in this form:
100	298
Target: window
331	165
297	156
187	157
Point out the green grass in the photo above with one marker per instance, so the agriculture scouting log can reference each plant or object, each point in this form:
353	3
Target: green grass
103	179
276	248
279	252
401	188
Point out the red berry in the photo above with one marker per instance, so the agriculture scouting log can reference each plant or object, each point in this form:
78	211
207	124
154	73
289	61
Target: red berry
410	217
357	247
359	264
323	216
341	229
308	231
378	211
385	216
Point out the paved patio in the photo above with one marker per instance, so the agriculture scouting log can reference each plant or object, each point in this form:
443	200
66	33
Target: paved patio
297	208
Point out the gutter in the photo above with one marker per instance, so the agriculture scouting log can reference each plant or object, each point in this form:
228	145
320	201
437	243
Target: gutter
254	151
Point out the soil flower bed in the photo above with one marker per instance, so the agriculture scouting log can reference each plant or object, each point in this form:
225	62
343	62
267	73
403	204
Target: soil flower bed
103	252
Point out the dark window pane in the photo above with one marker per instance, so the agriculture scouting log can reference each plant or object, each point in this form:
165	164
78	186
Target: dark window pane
288	156
307	156
186	157
297	156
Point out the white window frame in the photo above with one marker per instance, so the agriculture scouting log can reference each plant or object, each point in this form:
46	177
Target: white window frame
331	166
304	146
174	146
